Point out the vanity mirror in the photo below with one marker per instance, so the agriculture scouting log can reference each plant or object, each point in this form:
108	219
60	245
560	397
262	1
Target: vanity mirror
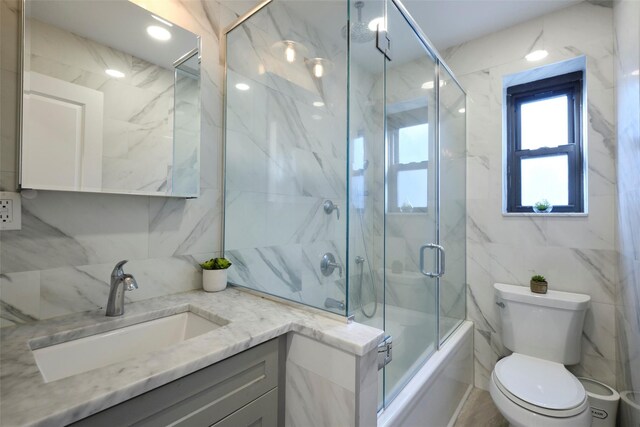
111	100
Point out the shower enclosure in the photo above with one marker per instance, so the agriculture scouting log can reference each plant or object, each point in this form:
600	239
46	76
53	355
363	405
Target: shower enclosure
345	170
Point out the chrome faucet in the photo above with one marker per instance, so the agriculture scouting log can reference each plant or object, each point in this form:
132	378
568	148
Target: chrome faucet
120	282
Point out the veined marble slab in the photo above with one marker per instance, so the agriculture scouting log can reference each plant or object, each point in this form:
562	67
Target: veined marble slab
28	400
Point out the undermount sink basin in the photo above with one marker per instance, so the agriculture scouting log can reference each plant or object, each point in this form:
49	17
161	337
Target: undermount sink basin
85	354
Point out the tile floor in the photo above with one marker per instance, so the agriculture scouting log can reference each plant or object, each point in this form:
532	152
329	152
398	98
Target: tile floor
479	411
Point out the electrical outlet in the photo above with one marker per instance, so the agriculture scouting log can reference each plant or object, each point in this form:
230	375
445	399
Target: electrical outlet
10	211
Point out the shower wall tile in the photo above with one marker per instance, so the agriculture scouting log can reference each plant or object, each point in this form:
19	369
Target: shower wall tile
576	254
61	260
627	63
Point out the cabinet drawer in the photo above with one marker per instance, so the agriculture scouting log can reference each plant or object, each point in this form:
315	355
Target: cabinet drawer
201	398
262	412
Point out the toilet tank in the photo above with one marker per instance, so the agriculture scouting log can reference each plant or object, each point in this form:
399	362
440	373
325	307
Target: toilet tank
548	326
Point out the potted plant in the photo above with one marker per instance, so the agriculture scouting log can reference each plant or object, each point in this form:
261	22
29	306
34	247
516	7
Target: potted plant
542	206
214	274
539	284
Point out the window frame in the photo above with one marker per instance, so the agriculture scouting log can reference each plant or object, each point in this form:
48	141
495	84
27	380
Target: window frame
571	85
395	122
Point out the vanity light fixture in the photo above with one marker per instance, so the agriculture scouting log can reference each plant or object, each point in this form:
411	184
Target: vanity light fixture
290	53
157	18
375	22
158	33
462	111
243	86
318	104
114	73
291	50
536	55
319	66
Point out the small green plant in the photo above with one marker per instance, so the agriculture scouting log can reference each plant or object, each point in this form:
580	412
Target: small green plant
538	278
542	205
216	264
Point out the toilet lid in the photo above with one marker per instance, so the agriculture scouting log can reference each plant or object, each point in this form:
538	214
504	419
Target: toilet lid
540	382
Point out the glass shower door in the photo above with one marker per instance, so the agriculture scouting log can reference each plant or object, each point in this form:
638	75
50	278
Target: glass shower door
411	185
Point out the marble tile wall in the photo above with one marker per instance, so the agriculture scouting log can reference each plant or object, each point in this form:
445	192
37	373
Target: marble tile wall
627	62
576	254
60	261
314	369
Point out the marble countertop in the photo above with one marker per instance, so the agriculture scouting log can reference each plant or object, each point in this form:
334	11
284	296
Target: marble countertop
25	399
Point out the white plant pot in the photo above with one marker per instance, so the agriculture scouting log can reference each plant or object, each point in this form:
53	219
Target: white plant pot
214	280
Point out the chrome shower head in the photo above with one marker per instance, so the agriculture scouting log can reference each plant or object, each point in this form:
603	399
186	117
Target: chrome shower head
360	32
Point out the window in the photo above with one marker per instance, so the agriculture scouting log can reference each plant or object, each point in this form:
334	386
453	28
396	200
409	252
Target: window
544	144
408	160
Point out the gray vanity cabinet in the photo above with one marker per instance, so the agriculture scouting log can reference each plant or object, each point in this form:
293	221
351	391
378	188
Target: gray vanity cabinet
240	391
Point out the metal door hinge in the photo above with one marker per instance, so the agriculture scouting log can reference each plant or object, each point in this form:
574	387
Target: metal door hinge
383	43
385	352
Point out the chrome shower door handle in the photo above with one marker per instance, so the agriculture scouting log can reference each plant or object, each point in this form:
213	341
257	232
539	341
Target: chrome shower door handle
441	265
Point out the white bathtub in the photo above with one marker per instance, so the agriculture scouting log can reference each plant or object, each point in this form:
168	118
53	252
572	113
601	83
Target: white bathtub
434	396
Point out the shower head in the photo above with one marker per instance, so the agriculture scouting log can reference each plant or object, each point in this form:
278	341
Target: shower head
360	32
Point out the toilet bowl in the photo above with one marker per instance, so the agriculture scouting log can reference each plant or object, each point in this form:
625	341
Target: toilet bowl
534	392
532	387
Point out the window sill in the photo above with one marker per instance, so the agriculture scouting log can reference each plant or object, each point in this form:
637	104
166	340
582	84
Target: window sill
557	214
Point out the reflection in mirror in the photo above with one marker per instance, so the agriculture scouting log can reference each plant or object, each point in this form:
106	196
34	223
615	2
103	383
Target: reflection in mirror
111	100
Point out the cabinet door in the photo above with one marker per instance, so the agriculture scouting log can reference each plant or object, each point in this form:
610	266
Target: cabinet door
262	412
202	398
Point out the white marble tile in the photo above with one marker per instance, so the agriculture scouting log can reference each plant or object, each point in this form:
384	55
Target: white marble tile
20	297
61	229
627	25
599	334
336	407
329	363
184	226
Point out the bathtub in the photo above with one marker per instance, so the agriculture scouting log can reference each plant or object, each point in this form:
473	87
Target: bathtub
435	394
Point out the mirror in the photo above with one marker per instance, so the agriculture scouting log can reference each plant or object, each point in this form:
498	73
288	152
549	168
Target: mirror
111	100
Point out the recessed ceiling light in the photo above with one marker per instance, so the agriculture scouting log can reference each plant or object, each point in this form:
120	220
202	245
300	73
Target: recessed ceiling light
157	18
536	55
373	24
428	85
243	86
158	33
462	111
318	104
114	73
635	73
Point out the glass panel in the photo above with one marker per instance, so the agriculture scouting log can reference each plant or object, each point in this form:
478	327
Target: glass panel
412	143
545	178
452	203
544	123
366	197
286	153
410	297
411	186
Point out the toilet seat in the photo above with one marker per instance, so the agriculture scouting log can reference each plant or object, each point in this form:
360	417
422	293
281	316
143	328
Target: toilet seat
540	386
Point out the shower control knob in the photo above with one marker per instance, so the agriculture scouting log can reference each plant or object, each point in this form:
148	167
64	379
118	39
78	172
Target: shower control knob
328	264
329	207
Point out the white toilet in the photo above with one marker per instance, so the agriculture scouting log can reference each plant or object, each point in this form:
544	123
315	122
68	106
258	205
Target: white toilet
532	387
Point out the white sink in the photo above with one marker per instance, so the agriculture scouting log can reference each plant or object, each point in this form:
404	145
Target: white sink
84	354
